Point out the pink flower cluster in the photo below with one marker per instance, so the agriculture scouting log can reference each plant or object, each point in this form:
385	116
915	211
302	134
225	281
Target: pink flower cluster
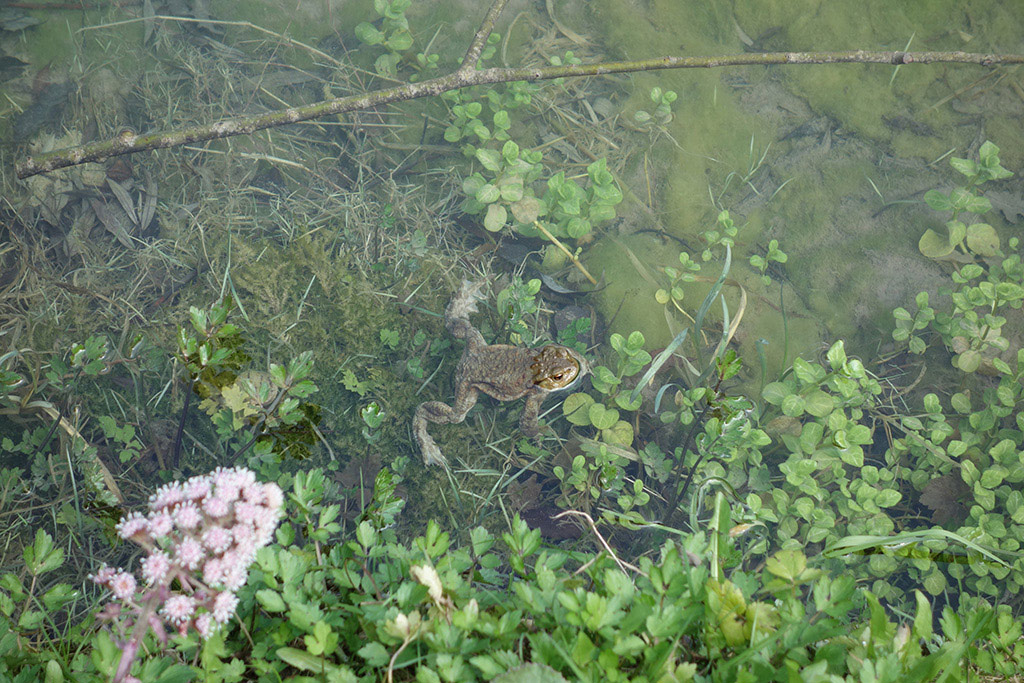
201	536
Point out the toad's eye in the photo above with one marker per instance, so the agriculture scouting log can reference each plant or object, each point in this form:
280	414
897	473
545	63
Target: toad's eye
558	376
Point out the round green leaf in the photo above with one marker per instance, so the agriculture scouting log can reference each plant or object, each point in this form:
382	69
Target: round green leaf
368	34
602	417
400	41
621	433
576	408
527	209
982	239
818	403
489	159
512	189
934	245
495	218
968	361
793	405
775	392
488	194
937	201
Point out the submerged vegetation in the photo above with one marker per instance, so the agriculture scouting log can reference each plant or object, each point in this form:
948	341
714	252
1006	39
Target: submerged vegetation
727	497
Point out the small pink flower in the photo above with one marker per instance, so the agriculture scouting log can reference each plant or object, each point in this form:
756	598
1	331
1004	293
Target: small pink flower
224	606
253	493
197	487
155	567
187	516
178	608
131	525
216	506
217	539
235	573
160	524
245	538
227	483
213	571
245	512
206	625
104	575
122	585
272	496
166	495
190	553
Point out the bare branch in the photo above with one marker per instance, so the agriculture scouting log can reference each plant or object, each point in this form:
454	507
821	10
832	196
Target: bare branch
472	58
128	143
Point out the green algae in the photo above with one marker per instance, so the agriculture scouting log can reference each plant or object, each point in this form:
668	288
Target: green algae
853	255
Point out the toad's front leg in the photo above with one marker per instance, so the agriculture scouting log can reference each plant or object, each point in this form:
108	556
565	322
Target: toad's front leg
440	413
531	411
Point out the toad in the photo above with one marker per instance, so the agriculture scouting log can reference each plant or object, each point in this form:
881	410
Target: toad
502	371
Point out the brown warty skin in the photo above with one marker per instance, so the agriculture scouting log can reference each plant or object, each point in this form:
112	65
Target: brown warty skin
501	371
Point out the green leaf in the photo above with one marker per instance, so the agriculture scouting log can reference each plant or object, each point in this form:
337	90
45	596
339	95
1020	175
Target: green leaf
620	433
42	556
496	217
982	239
374	654
488	194
805	372
978	204
968	361
888	497
527	209
957	231
810	437
368	34
511	189
576	408
988	153
775	392
271	600
934	245
966	166
961	403
837	355
489	159
530	673
818	403
602	417
510	152
937	201
399	41
793	405
788	565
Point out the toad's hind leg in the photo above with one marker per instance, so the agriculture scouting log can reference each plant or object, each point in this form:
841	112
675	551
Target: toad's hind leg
440	413
457	314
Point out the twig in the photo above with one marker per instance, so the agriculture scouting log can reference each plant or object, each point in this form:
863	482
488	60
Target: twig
476	47
465	76
623	565
572	256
